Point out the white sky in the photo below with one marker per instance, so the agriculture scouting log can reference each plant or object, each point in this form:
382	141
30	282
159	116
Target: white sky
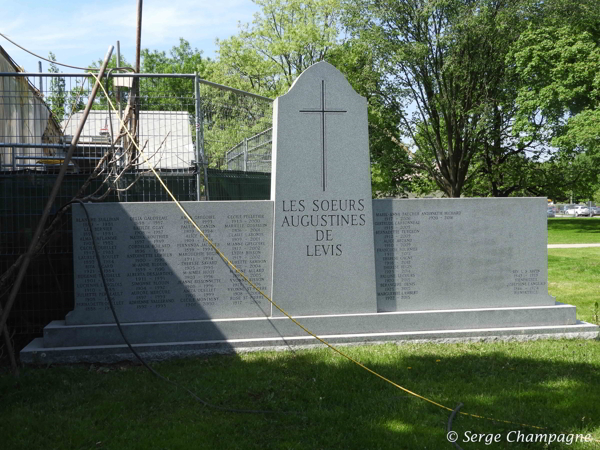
80	32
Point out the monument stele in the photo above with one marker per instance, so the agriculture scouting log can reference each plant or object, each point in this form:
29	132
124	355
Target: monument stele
323	255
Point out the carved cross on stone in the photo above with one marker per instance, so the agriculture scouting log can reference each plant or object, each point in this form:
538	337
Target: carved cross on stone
322	110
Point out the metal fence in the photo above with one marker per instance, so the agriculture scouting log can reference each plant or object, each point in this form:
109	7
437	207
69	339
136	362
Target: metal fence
253	154
184	126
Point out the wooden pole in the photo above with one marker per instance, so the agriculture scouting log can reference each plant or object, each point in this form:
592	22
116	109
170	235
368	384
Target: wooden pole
9	349
52	197
136	80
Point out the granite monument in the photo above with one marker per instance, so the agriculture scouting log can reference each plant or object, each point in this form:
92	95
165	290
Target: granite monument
349	268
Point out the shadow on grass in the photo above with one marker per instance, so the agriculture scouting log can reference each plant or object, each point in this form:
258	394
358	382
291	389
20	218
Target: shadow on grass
336	403
574	225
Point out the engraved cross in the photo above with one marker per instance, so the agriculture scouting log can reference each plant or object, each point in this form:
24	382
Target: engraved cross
322	110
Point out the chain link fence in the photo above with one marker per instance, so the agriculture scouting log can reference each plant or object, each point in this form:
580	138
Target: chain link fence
184	126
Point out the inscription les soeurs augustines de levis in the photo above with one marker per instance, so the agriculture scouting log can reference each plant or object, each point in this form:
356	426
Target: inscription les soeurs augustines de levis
324	216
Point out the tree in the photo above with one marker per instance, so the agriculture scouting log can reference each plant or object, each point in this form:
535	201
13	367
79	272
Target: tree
57	96
445	59
285	38
557	60
559	63
172	94
64	103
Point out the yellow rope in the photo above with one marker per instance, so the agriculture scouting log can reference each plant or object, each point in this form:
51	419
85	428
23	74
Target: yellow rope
241	274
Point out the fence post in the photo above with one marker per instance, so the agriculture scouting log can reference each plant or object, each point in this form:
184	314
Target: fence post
245	166
40	71
200	143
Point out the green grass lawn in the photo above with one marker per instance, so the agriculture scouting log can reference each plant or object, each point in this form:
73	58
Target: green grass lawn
574	278
333	404
574	231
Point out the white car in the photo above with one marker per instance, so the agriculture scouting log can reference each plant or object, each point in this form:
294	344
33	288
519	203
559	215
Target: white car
579	210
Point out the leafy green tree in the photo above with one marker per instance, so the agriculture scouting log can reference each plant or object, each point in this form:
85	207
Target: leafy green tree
557	60
228	119
584	177
285	38
596	195
64	103
57	96
77	98
172	94
445	60
559	64
181	59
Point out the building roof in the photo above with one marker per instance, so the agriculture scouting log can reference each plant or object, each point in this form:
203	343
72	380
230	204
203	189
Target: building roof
11	61
172	127
25	118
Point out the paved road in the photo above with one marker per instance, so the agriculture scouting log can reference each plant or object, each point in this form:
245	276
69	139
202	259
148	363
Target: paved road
572	245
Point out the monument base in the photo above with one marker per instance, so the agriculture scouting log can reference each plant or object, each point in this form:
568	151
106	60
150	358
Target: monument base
160	340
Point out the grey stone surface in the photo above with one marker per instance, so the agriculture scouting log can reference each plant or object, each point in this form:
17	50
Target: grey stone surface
159	268
461	253
321	186
37	352
57	334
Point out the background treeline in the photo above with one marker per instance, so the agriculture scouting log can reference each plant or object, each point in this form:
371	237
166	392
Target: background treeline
466	97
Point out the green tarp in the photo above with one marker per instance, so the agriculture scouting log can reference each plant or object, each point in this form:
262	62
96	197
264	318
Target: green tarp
238	185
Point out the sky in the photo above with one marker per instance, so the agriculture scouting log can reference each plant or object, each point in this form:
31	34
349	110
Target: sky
80	32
